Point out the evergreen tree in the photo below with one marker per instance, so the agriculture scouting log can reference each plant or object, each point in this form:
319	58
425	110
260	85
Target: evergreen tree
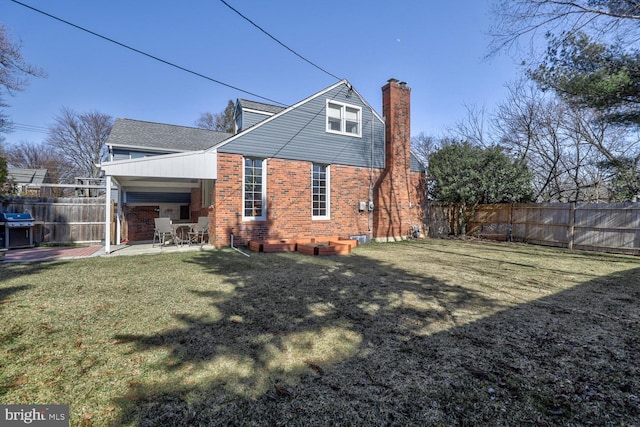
466	175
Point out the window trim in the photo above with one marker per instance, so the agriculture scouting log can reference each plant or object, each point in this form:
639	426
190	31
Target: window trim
343	119
327	214
206	193
262	217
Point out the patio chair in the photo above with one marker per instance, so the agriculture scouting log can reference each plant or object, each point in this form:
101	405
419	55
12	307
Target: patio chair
162	231
199	230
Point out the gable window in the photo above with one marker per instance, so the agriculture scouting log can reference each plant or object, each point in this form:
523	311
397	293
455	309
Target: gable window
320	192
254	190
344	119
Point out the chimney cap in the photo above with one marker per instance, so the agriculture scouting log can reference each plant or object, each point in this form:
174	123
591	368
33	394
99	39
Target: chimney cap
402	83
392	80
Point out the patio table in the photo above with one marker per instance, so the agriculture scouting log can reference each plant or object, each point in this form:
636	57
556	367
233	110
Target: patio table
181	232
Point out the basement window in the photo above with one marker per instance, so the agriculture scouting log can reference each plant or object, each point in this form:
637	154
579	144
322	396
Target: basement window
344	119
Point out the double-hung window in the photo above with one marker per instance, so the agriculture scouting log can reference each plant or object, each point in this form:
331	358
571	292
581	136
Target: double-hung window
254	190
344	119
320	192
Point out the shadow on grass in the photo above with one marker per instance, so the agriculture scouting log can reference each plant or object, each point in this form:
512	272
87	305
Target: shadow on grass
351	341
5	293
10	270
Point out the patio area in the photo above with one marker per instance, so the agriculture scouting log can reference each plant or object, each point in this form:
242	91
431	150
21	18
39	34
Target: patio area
146	248
74	252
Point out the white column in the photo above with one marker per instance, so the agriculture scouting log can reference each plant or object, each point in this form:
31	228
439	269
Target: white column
119	216
107	223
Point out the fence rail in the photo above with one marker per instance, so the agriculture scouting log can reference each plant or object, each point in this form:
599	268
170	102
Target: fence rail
610	227
62	220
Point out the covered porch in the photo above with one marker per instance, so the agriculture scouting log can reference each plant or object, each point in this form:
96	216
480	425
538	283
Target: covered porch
177	186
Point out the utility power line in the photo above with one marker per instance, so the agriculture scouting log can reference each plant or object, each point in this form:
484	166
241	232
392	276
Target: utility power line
278	41
27	128
146	54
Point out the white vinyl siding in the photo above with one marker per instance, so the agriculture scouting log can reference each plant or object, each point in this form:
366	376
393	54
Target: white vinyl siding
300	133
254	191
344	119
320	192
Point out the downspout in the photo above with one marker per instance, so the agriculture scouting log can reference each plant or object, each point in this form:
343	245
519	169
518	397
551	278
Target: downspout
370	214
236	249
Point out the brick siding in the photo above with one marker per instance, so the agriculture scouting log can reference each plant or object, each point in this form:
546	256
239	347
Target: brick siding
289	202
139	222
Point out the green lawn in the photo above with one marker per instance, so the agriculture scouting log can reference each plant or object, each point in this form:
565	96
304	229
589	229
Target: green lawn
435	332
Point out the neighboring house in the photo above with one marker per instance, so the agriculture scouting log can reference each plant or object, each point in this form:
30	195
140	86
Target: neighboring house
326	166
28	182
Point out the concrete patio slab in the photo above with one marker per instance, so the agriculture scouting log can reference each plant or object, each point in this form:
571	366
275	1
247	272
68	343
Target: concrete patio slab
74	252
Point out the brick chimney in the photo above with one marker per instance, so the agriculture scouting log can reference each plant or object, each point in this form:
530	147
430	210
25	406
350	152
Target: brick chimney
396	109
397	191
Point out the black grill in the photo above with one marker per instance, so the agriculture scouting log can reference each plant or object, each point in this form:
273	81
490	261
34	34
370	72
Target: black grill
17	219
16	229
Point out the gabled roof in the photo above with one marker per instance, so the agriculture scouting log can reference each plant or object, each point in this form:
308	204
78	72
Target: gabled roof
148	135
284	110
27	176
260	106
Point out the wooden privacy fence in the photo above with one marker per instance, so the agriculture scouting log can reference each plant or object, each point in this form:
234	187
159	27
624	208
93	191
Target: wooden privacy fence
610	227
62	220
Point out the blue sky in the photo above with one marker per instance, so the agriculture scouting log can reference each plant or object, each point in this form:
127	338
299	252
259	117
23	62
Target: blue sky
437	47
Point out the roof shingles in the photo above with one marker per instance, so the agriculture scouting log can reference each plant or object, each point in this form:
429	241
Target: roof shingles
27	176
260	106
136	133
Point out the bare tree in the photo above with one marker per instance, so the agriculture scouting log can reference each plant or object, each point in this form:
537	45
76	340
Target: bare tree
14	73
516	20
3	171
80	140
592	62
616	155
563	146
40	156
423	146
220	122
473	128
528	133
